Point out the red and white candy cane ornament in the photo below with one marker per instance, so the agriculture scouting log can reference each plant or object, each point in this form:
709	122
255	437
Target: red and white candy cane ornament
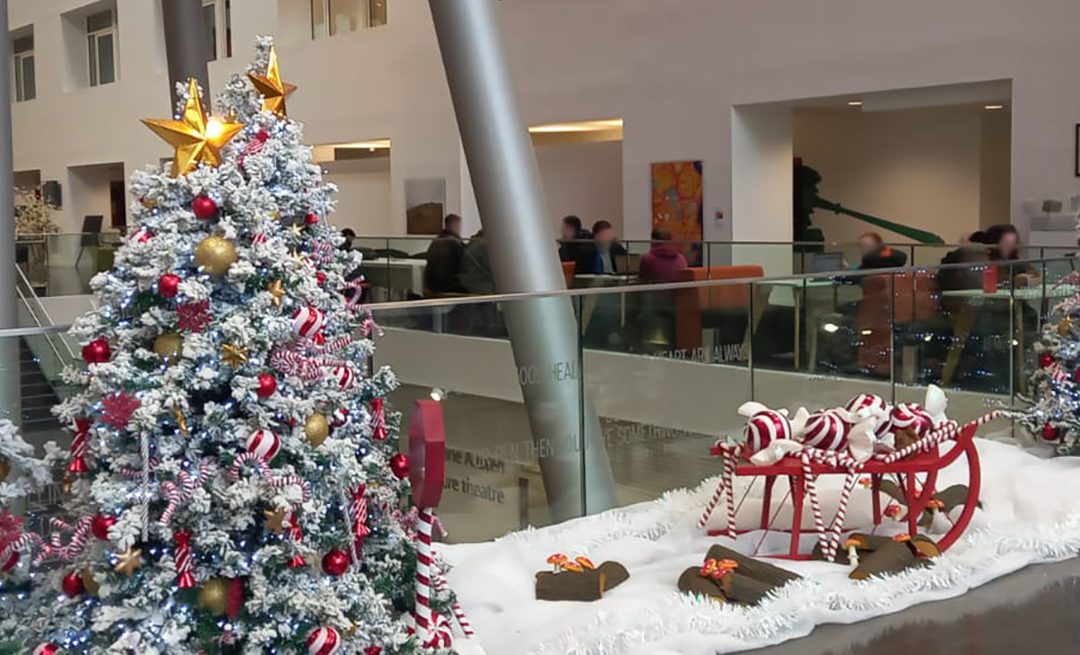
264	444
826	430
307	321
910	416
344	376
46	649
323	641
80	446
358	511
185	579
763	428
378	420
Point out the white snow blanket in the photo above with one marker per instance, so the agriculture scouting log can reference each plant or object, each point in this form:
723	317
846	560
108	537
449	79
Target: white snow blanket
1029	515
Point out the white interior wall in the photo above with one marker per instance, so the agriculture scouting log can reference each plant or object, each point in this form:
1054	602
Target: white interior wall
364	192
761	181
994	173
584	179
921	168
672	71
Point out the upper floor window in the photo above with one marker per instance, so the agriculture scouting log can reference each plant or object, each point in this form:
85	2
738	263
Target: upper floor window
101	42
217	24
23	60
333	17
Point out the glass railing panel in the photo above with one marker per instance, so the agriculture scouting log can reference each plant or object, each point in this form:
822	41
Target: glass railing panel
497	454
923	254
656	361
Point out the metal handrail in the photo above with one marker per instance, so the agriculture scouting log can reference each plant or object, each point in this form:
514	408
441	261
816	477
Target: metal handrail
26	297
791	280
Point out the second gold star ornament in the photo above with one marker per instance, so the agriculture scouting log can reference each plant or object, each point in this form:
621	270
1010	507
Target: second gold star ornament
196	136
270	86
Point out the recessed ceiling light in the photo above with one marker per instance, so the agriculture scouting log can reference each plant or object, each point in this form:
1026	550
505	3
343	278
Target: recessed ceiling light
854	103
994	107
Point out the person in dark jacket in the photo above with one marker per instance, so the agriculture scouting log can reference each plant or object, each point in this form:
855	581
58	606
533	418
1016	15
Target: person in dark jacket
476	276
663	262
605	256
875	254
444	259
572	239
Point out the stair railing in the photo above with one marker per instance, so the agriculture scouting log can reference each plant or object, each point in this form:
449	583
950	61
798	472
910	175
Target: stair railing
58	346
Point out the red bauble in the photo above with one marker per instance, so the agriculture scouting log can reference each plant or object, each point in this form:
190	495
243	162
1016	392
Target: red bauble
204	207
399	465
1045	360
320	338
267	385
97	351
168	285
12	560
73	585
1050	433
320	277
1076	376
100	527
311	218
373	650
335	563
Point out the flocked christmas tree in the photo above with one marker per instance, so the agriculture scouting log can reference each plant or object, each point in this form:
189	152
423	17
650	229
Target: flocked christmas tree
235	483
1054	414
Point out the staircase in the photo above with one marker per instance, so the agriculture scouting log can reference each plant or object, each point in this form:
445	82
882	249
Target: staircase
38	395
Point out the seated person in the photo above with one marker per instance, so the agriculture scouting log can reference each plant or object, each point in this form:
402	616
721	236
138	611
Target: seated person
444	259
572	239
875	254
663	262
603	256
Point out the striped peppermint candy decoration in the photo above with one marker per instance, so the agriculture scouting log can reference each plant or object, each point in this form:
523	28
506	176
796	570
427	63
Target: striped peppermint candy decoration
264	444
323	641
185	578
867	401
46	649
339	418
439	635
344	376
765	427
825	430
307	321
909	416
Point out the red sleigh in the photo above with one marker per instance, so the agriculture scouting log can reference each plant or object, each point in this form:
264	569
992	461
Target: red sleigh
910	474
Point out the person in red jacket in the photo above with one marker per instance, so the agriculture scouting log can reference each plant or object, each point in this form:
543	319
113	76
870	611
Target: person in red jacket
663	262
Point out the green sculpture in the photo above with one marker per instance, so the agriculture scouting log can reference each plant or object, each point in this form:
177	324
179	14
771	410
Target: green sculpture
807	200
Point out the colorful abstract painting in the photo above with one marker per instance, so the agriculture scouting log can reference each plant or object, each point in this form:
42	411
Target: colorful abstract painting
677	203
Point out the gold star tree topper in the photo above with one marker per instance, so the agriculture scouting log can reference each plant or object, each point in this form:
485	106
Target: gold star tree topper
196	136
270	86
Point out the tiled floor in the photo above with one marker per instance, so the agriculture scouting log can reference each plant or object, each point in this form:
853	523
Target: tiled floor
1035	611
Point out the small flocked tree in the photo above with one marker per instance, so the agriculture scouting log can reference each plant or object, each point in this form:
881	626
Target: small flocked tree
235	481
1054	414
33	216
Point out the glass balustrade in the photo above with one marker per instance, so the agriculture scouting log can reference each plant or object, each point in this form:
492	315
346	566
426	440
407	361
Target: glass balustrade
657	372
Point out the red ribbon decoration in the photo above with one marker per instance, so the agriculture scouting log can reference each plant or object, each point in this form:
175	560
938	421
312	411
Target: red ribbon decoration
80	447
185	579
378	420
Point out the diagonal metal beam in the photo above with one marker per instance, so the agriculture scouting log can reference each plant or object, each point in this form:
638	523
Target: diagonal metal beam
513	211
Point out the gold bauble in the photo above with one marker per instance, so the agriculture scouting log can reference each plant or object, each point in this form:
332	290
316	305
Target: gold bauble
168	346
5	468
316	429
215	254
89	583
214	596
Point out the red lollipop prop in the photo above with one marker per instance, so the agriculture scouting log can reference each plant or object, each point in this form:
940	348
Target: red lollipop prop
427	471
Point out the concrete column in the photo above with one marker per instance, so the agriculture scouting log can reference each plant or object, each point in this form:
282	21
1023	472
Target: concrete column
543	332
185	47
9	309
